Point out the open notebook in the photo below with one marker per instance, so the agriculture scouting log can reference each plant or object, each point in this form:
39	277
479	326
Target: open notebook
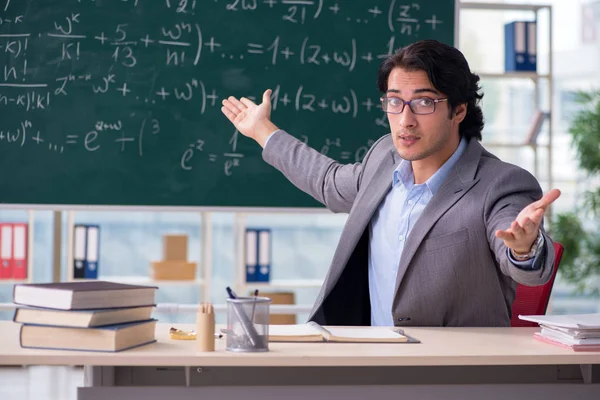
313	332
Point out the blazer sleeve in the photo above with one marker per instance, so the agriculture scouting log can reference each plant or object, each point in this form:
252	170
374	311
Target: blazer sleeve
511	191
333	184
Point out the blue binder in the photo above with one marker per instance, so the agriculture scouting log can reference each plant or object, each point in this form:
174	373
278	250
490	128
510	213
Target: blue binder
264	256
258	255
92	251
86	248
79	245
520	46
251	251
532	45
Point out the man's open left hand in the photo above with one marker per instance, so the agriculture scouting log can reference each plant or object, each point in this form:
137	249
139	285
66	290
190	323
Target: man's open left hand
524	230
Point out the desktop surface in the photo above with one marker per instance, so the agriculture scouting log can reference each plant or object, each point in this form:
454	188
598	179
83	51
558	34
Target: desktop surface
438	347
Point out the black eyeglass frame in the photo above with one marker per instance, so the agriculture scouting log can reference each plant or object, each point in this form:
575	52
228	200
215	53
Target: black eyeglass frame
409	103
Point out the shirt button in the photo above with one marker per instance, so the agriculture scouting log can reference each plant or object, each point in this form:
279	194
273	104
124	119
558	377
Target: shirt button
401	237
411	202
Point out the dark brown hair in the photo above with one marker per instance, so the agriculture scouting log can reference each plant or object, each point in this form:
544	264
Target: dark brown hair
448	72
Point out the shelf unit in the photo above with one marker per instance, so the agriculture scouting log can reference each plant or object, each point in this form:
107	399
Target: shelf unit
203	282
513	75
203	272
241	286
145	280
534	76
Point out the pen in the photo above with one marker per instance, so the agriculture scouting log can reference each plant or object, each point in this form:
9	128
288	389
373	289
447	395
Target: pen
254	304
231	293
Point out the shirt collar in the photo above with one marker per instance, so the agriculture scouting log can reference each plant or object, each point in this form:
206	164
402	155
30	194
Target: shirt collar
404	173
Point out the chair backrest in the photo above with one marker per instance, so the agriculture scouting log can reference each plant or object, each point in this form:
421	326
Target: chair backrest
533	300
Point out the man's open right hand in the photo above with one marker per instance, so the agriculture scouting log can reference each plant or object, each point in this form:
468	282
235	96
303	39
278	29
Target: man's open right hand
250	119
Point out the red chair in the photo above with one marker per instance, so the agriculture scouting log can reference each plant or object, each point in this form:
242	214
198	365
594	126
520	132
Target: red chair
533	300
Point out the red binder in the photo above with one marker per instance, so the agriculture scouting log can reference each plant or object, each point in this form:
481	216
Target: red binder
6	249
19	253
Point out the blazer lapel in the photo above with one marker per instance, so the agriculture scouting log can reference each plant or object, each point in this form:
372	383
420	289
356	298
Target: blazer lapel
458	182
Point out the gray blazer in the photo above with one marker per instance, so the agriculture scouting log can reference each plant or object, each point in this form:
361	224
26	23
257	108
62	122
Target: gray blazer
453	270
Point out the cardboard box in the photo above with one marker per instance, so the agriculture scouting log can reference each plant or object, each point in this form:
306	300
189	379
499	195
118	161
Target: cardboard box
173	270
175	247
281	298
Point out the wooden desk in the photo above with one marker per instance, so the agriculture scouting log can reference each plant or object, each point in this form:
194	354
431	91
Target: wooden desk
453	363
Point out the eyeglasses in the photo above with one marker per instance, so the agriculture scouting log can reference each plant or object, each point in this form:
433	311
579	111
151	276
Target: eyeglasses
420	106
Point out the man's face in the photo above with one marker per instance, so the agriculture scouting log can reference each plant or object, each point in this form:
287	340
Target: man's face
432	137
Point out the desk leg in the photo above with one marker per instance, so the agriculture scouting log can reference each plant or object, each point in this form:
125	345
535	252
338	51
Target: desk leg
188	377
98	376
590	373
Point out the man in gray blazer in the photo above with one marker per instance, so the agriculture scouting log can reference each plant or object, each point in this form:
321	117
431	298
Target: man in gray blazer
439	231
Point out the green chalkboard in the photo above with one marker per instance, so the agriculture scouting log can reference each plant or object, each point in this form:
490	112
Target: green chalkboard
117	102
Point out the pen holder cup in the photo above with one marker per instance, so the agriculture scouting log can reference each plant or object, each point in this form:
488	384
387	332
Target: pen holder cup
248	324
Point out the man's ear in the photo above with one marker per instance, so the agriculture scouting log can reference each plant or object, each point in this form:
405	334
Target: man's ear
460	112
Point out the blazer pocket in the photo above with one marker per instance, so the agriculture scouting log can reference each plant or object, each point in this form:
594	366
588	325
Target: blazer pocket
446	240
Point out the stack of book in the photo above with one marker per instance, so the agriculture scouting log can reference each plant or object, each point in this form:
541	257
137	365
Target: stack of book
578	332
88	315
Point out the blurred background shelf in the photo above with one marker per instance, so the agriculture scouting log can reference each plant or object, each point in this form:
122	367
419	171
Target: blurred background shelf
512	75
145	280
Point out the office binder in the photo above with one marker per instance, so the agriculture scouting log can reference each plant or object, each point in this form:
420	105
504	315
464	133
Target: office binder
520	43
251	251
258	255
264	256
91	252
79	244
6	249
531	45
19	254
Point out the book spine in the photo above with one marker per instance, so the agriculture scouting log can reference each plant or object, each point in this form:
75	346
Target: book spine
21	335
